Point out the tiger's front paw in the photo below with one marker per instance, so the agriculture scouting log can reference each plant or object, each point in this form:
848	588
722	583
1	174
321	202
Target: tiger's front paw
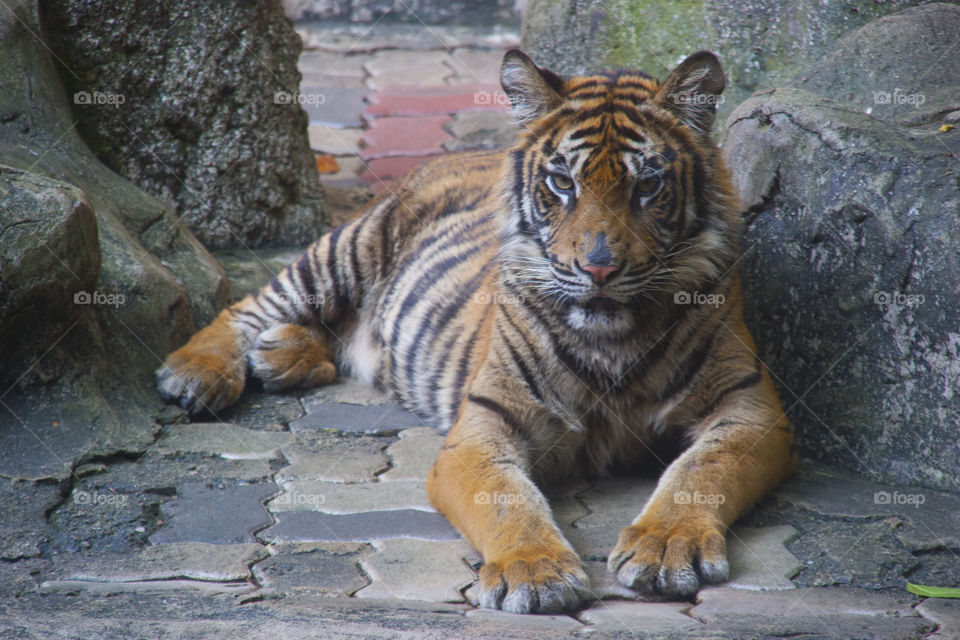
669	560
201	381
289	355
533	581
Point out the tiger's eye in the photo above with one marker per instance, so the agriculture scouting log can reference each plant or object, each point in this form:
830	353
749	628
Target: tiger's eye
562	182
647	185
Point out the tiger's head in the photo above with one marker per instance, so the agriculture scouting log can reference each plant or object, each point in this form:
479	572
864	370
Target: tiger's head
616	195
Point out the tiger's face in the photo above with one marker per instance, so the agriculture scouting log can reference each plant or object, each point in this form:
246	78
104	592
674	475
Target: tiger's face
612	197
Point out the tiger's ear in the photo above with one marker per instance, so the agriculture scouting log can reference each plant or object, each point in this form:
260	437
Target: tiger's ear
533	91
693	90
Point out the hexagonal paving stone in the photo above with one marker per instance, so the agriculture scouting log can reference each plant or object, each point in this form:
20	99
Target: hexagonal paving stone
333	457
403	136
314	526
640	618
604	585
945	613
225	440
817	611
613	505
345	390
384	419
417	570
546	626
412	457
335	141
407	67
334	106
186	560
419	100
758	558
322	64
481	130
221	515
318	571
330	497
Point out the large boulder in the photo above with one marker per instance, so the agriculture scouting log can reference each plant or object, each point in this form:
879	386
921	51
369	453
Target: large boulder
762	43
852	252
98	280
196	104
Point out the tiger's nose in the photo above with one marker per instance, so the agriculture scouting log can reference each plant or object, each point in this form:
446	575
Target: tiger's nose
600	274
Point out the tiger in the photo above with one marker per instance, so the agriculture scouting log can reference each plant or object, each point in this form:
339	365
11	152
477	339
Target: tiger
567	307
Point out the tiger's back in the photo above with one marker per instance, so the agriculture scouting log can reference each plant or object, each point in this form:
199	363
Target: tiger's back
423	327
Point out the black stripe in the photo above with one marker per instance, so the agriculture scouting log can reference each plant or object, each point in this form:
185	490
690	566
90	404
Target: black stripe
356	277
751	380
340	299
463	368
437	323
586	131
419	292
524	369
417	256
305	271
686	372
508	418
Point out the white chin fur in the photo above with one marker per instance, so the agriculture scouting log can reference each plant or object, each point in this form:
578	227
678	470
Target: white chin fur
600	323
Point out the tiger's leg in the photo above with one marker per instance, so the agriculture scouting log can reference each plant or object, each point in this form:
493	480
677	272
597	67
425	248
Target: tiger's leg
480	482
678	541
275	328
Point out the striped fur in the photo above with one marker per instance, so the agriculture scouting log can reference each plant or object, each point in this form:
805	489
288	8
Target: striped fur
532	303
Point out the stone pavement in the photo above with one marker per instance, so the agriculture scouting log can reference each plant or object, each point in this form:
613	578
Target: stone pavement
305	515
382	104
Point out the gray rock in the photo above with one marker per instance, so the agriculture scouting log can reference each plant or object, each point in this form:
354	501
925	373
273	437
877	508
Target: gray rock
49	252
182	98
23	523
899	68
852	255
761	43
63	396
865	554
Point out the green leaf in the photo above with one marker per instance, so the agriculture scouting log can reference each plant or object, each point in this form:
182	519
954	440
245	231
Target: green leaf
933	592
